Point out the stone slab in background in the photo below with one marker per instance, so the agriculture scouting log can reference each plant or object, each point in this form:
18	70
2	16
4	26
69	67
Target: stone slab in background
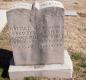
70	13
3	19
51	71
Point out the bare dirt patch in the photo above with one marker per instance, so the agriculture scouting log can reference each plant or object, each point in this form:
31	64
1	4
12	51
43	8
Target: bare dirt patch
82	15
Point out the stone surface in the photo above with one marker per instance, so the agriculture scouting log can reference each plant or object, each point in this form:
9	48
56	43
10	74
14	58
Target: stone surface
70	13
50	32
19	25
3	19
37	33
51	71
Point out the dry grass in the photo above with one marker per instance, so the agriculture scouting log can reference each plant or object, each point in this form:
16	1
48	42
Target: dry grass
4	39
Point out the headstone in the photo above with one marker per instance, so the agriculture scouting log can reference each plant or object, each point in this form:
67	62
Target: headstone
37	39
37	33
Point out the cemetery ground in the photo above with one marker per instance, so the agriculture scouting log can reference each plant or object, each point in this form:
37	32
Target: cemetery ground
74	39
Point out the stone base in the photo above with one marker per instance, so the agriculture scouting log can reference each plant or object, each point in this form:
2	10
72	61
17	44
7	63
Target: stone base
51	71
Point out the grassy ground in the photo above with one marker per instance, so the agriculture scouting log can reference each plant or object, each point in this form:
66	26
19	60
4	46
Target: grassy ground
79	63
0	74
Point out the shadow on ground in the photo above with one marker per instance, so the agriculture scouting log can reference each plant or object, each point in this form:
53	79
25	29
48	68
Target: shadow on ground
6	57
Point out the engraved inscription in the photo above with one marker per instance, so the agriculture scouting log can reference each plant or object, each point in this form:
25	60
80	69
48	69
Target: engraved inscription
37	35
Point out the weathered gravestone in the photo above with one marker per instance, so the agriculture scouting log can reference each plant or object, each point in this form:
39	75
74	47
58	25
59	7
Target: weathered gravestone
37	34
37	39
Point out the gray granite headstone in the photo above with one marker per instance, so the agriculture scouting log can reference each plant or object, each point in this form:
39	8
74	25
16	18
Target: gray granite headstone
37	33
